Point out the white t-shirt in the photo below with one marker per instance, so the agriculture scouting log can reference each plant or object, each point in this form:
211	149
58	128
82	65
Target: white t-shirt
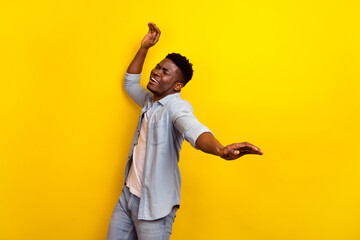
134	181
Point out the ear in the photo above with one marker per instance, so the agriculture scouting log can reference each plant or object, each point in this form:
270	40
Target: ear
178	86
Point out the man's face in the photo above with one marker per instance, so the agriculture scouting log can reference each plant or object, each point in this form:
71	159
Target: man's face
165	79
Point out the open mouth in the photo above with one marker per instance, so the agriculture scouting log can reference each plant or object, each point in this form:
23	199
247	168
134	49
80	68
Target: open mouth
153	80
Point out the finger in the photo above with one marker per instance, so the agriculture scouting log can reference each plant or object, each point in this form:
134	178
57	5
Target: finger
250	151
157	36
153	30
259	152
153	36
157	29
231	152
249	148
232	156
253	148
150	27
246	152
256	150
235	152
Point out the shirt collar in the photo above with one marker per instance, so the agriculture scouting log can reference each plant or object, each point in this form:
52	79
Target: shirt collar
164	100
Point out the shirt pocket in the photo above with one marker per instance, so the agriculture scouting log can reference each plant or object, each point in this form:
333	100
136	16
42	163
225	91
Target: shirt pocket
158	133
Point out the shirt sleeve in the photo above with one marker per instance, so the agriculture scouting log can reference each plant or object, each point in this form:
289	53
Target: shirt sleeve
187	124
134	89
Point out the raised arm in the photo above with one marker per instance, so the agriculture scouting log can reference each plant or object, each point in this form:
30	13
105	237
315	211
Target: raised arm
132	77
151	38
207	143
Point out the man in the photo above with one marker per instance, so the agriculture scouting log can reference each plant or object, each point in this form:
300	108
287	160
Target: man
151	194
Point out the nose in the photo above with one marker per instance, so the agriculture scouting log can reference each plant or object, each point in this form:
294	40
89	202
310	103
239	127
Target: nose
155	72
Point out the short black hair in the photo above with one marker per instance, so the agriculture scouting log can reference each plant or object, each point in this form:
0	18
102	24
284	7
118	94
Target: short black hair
183	64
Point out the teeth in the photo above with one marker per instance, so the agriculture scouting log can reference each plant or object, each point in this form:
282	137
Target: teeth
153	79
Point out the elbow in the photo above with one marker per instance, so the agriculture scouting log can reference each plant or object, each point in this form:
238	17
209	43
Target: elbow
127	86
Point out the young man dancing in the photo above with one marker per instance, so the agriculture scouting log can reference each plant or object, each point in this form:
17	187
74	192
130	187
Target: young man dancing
151	194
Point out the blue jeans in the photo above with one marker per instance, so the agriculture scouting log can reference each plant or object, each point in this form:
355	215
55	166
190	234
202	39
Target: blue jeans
124	224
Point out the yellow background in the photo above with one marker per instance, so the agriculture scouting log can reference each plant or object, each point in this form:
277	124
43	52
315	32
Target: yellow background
283	75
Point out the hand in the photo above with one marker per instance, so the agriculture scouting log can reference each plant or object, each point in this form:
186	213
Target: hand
152	37
236	150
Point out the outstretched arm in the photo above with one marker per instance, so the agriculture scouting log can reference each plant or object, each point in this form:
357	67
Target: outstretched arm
151	38
206	142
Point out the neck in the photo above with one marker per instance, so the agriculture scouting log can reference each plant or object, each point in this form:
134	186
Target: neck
157	97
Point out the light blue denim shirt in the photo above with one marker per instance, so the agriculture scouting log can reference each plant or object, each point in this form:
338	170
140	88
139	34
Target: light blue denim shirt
170	122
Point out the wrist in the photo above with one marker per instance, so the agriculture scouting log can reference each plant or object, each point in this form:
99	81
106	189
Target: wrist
219	150
144	48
